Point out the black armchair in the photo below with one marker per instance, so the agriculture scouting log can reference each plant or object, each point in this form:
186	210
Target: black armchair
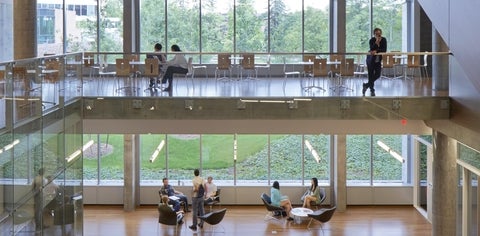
322	215
168	216
214	217
273	212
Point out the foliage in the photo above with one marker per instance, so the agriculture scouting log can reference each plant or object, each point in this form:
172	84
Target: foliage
182	26
285	153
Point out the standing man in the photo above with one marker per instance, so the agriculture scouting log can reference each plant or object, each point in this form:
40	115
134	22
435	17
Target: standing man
197	199
374	62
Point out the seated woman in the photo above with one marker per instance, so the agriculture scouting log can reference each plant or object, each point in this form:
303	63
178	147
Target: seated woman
180	213
279	200
313	194
178	65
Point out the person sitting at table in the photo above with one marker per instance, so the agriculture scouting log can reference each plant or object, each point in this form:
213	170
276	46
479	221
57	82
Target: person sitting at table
161	59
178	65
280	200
211	190
169	191
180	213
313	194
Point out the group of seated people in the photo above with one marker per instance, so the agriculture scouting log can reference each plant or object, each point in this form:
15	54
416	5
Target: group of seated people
175	199
177	65
279	200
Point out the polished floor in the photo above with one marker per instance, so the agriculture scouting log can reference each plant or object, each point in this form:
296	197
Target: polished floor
261	87
250	220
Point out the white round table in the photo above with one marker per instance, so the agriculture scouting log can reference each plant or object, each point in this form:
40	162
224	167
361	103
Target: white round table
299	213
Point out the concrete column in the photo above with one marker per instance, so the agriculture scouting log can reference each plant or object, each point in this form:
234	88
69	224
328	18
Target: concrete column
130	176
444	190
440	64
24	29
338	29
340	172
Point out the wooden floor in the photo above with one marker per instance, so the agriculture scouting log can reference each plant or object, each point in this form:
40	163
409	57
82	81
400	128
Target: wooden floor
249	220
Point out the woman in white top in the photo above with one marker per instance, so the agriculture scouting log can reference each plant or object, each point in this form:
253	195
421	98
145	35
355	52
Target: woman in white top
178	65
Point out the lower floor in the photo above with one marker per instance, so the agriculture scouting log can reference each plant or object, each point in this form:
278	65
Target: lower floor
251	220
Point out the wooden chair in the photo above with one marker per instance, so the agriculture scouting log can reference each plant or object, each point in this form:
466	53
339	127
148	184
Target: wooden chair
308	69
223	64
335	68
388	63
413	64
248	64
2	80
123	71
152	69
319	70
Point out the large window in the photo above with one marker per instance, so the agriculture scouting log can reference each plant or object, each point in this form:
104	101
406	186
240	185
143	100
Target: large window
81	27
386	15
249	159
251	26
375	160
152	24
316	24
316	150
183	24
252	154
103	161
111	26
285	26
6	27
217	31
50	28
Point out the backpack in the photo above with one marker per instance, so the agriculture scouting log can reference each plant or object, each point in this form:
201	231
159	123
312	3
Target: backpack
200	191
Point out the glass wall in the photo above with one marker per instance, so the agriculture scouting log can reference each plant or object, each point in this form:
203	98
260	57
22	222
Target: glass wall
152	24
249	159
375	160
468	171
110	28
41	174
386	15
217	31
49	27
251	26
6	27
316	26
81	26
213	26
183	24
